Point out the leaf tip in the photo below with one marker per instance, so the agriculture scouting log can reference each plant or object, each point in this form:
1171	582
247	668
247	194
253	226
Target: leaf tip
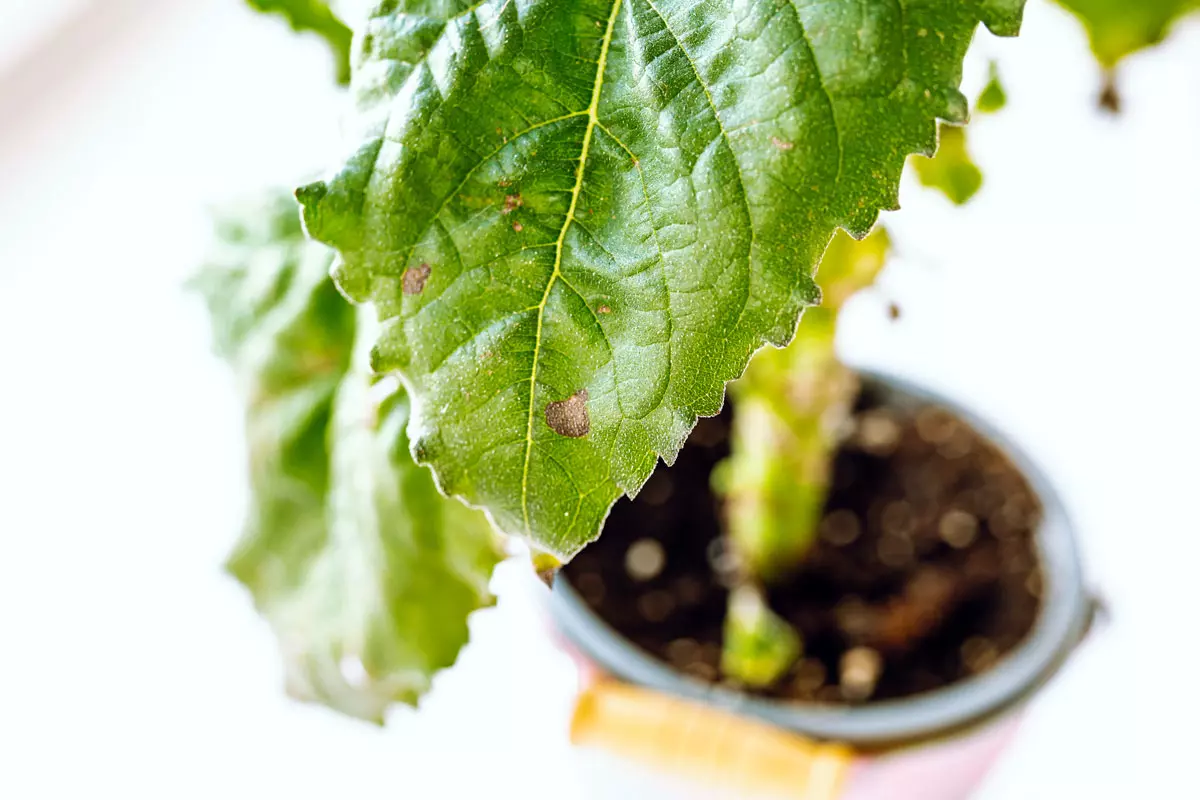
957	110
1003	17
311	193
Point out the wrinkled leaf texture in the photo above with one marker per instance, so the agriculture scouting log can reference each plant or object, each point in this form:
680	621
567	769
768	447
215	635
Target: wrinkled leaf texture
579	218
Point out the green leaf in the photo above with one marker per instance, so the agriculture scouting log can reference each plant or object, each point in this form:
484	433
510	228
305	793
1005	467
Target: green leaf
579	218
317	17
951	171
366	573
1117	28
993	97
792	405
759	646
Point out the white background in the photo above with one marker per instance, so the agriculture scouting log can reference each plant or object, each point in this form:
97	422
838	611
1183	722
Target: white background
1062	303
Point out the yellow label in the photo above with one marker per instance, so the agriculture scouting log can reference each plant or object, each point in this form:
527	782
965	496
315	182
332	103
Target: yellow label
707	744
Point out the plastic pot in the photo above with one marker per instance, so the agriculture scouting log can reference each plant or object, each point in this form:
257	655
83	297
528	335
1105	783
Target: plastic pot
933	746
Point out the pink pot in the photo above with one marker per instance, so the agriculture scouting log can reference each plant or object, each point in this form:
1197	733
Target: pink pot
935	746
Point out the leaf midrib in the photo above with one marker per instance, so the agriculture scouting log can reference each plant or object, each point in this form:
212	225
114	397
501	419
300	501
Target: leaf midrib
593	119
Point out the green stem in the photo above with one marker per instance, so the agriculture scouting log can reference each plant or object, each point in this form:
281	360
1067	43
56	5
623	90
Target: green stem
791	407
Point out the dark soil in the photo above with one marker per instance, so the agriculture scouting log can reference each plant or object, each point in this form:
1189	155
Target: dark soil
924	572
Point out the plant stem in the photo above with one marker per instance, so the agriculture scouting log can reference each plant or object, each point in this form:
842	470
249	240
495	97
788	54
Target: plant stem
792	406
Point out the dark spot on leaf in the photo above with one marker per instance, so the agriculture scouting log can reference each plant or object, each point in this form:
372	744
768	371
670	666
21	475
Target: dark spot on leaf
414	279
893	311
781	144
503	182
603	309
569	417
512	202
518	227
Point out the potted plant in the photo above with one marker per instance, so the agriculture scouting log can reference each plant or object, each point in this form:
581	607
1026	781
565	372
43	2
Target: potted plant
565	226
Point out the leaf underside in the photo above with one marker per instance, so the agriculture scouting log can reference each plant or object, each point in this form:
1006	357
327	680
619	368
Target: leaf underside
365	572
579	218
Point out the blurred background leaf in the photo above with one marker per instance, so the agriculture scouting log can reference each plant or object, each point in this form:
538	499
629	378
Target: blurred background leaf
365	571
315	17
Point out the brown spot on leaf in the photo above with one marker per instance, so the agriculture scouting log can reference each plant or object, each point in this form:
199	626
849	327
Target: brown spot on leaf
603	309
569	417
518	227
781	144
503	182
512	202
414	279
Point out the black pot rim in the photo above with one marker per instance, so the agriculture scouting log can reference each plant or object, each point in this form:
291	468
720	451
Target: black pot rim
1064	616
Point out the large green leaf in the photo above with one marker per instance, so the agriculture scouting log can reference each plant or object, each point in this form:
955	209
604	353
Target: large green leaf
365	571
316	17
1117	28
579	218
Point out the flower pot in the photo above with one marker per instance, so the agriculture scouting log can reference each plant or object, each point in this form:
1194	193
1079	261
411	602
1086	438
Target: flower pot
933	745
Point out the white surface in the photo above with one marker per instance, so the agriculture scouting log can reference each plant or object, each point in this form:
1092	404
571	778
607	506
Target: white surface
25	24
1062	302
